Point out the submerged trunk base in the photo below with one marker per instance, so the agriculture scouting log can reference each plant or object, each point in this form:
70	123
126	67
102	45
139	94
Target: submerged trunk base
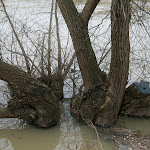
35	104
86	108
92	107
135	103
31	100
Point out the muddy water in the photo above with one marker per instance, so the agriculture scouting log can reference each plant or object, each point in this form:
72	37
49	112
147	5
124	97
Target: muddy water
67	135
141	124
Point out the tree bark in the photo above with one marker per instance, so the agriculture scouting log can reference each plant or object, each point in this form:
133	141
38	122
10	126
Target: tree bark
31	101
92	75
6	113
88	10
57	84
118	75
58	41
135	103
102	104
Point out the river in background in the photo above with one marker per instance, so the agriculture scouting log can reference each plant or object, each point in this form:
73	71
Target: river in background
69	134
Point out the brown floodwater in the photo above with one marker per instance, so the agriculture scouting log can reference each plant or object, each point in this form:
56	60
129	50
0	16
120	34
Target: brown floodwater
69	134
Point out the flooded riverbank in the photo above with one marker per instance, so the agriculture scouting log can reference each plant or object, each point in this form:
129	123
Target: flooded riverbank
69	134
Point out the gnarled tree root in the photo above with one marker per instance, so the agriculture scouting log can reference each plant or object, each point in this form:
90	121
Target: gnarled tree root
89	108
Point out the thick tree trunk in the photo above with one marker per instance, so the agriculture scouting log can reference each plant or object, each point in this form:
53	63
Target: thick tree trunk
100	108
120	18
31	100
57	83
77	25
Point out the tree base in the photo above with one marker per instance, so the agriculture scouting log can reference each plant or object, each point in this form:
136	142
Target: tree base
31	100
36	104
86	108
92	107
135	103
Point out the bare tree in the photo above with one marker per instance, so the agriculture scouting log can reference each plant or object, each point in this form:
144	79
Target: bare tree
92	75
77	25
42	54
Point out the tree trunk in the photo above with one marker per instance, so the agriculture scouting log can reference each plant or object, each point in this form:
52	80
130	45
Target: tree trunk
31	100
57	83
102	104
91	74
58	41
118	75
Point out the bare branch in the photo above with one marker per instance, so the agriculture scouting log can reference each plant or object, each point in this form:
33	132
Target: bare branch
88	10
27	58
42	58
103	56
49	40
68	66
140	7
58	41
18	40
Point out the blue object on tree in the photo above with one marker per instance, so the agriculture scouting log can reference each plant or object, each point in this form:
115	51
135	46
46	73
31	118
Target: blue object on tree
143	86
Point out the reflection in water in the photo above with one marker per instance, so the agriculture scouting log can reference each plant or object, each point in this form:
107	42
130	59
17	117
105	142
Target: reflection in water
70	138
15	134
77	136
12	123
5	144
22	136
